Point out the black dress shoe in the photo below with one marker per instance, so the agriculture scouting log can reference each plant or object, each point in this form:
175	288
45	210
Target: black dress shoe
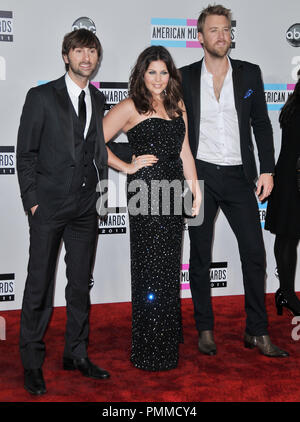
290	302
34	381
86	367
206	343
265	346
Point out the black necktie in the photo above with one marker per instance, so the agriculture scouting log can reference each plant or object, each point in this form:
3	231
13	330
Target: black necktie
82	109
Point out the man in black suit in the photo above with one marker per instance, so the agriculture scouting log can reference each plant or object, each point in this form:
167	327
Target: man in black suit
223	97
61	157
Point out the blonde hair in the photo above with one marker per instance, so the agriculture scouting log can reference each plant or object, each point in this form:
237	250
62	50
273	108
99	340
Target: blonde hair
213	10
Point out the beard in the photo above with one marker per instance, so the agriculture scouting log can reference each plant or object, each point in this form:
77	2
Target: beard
75	68
80	72
217	51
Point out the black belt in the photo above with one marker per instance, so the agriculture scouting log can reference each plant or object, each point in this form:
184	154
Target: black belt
219	166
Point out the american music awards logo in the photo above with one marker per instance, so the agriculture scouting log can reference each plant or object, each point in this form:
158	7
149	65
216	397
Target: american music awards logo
6	26
217	271
7	160
115	223
277	94
114	92
170	32
7	287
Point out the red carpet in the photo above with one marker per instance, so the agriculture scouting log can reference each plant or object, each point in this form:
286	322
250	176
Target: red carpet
236	374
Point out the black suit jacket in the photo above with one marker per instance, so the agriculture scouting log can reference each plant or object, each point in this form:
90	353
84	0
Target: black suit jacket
46	148
251	111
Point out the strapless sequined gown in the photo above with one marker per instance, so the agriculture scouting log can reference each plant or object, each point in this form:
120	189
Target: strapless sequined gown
156	243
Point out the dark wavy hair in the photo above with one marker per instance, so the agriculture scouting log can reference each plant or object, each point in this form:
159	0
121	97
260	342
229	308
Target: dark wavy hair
289	107
138	91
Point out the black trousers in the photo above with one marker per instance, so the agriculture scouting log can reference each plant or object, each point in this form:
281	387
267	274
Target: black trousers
76	224
226	187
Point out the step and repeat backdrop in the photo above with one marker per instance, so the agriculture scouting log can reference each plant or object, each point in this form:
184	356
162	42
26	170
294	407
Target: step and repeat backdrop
31	32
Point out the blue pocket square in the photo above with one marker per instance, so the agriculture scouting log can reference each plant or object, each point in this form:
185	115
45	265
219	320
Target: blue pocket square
248	93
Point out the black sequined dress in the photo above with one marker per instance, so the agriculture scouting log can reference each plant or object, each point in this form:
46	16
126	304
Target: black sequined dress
156	242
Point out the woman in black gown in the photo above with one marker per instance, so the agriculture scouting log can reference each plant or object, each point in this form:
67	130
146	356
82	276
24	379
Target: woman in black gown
155	121
283	212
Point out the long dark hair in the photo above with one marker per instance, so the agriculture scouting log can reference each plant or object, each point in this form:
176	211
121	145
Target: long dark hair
290	106
141	96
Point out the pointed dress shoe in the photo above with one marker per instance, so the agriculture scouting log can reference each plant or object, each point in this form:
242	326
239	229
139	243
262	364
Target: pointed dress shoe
86	367
34	381
206	343
265	346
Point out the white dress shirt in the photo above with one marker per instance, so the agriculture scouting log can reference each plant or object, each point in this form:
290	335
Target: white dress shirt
219	136
74	91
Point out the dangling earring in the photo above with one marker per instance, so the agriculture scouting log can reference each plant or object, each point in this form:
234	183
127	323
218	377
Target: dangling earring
165	92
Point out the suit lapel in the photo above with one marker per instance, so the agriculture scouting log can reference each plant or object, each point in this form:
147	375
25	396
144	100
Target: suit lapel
65	114
97	109
196	99
237	79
